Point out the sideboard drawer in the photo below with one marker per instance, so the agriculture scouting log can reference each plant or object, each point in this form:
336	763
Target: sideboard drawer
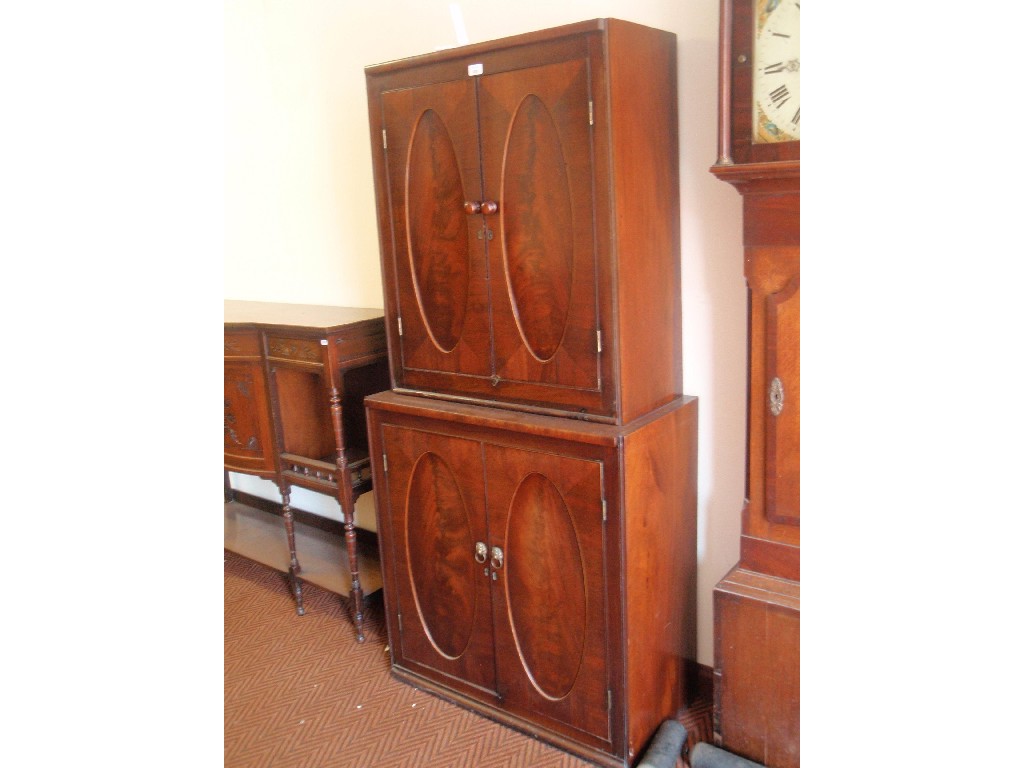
300	350
353	347
244	344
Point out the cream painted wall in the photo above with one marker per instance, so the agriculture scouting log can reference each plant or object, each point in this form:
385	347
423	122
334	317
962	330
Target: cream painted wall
300	221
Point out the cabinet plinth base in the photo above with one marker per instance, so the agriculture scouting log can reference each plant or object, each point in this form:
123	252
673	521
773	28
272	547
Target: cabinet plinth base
757	667
499	715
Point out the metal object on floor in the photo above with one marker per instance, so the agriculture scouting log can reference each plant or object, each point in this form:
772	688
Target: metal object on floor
666	746
706	755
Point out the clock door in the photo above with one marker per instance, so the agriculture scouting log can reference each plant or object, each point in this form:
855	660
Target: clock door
537	149
439	269
548	567
441	606
774	279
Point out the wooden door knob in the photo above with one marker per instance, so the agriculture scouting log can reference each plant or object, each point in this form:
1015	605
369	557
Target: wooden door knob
471	207
488	207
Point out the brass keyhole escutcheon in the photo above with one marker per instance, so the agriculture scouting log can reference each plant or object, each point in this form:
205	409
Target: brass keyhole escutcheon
776	396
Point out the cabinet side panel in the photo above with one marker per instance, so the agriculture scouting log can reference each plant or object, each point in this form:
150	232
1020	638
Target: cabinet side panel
643	113
660	568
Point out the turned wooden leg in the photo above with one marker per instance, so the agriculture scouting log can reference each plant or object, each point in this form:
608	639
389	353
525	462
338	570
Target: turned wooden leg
347	502
293	565
357	589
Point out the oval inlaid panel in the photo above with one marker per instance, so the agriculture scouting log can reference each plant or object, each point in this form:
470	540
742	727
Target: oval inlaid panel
440	555
438	231
537	228
546	586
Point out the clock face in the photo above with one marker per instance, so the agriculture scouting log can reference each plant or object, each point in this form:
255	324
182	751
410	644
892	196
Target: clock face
776	71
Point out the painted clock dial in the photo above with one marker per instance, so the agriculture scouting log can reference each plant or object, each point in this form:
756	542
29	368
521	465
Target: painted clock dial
776	71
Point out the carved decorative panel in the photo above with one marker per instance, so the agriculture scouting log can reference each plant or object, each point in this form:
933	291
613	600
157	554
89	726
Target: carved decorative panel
440	555
302	350
438	232
537	228
241	411
546	587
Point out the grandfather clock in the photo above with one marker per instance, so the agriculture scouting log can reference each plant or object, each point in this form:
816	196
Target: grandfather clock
757	604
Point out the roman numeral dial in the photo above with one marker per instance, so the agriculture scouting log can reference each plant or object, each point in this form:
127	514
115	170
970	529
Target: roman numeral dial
776	115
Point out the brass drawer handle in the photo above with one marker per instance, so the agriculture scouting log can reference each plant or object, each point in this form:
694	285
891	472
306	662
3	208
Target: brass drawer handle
497	557
480	552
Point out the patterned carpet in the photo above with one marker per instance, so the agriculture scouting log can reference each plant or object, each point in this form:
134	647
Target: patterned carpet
299	692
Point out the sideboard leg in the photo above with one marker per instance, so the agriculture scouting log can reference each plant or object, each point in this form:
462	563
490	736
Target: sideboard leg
346	499
293	566
357	589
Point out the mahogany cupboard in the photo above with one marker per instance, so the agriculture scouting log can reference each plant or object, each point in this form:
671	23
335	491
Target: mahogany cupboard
535	463
540	570
528	202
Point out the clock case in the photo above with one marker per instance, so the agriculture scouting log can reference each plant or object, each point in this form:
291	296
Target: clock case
757	604
736	109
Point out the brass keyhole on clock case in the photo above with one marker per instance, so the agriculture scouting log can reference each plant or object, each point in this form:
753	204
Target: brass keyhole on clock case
776	396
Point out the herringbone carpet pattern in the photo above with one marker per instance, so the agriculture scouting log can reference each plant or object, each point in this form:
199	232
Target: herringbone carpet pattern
299	692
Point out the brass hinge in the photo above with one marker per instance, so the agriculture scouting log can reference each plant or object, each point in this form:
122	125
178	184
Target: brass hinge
609	700
604	509
399	326
591	111
384	456
384	131
599	341
400	623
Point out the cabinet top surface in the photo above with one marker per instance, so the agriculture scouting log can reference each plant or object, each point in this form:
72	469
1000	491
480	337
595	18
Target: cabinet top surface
295	315
472	49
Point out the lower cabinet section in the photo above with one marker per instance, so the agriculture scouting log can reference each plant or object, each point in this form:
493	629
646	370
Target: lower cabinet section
757	674
540	570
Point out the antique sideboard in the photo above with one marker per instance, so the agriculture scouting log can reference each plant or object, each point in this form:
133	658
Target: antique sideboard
295	377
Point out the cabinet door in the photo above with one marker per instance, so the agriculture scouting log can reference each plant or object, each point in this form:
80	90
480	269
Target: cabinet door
537	150
247	434
433	169
551	640
436	514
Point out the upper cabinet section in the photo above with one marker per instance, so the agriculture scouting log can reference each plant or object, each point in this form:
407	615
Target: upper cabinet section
528	209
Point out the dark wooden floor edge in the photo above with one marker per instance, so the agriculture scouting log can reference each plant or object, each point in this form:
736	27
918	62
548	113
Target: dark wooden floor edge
320	522
701	682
